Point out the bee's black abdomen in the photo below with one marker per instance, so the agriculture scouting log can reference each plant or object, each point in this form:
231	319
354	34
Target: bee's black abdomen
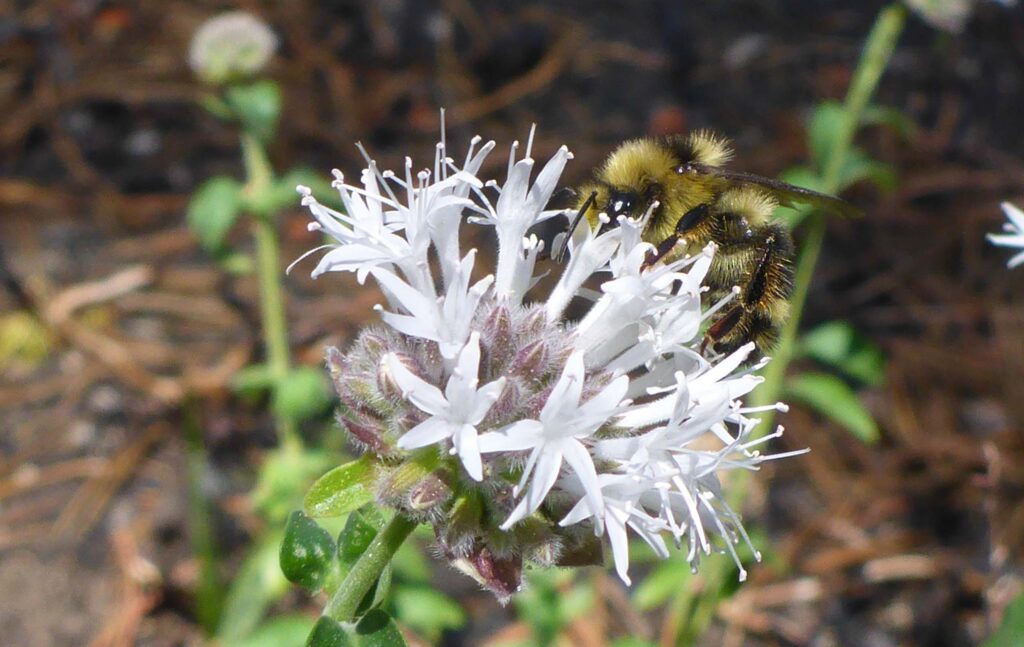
766	280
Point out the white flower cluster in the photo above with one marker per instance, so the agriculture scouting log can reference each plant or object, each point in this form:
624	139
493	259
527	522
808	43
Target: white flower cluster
635	426
231	45
1014	236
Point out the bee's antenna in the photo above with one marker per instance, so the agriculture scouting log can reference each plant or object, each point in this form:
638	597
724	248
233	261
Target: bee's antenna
572	227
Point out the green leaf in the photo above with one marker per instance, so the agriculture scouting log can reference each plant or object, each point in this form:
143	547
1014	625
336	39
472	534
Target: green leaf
343	489
236	263
307	552
427	611
215	106
258	583
858	166
286	631
541	603
661	583
378	629
839	345
1011	628
834	399
360	529
252	379
302	394
328	633
213	209
892	118
258	106
283	478
825	123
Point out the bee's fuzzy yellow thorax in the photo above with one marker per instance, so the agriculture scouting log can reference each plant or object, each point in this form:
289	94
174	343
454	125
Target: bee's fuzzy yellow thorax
637	163
709	148
755	205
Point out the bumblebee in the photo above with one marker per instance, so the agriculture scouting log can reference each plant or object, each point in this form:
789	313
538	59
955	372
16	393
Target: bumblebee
679	184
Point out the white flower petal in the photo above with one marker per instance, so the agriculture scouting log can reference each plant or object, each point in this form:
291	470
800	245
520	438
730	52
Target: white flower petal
544	476
428	432
466	442
424	395
578	458
517	437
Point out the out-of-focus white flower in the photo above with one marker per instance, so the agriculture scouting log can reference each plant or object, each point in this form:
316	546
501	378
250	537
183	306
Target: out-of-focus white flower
455	413
233	45
1015	233
616	420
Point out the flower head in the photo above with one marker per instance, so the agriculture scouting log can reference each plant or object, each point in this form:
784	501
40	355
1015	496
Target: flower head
1015	233
539	431
233	45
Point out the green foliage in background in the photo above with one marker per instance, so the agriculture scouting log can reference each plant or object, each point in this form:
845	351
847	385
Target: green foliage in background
1011	631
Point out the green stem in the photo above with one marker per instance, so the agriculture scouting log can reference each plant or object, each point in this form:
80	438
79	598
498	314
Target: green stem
209	594
877	52
268	271
367	570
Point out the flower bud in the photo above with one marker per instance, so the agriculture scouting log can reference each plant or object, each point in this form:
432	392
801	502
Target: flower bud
501	576
547	553
531	361
366	431
429	493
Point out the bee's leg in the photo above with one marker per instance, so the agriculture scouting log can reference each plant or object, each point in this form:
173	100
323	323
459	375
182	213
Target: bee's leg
686	223
577	219
663	248
725	325
761	310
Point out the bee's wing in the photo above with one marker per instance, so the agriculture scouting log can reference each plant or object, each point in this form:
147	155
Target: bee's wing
785	193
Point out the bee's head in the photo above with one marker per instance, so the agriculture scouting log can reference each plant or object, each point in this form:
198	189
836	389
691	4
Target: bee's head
621	202
632	202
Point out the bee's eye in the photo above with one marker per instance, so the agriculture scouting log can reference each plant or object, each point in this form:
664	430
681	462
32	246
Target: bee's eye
620	204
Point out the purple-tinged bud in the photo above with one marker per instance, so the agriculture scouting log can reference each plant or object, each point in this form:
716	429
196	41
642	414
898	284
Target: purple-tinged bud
531	361
357	392
507	404
498	324
373	343
366	431
535	321
498	342
335	363
501	576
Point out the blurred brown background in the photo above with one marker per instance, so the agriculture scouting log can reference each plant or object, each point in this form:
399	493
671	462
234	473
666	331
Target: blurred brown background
914	541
